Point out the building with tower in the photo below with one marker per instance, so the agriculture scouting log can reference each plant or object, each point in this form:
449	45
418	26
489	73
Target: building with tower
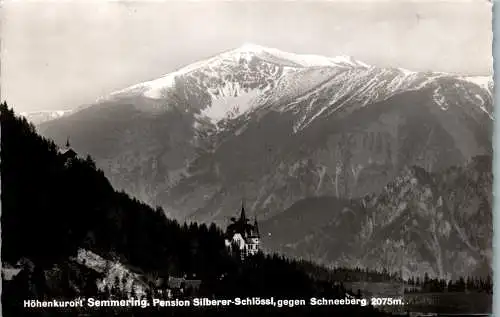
67	152
243	235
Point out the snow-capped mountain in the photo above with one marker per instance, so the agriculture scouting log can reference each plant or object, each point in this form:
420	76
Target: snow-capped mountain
235	82
277	128
243	56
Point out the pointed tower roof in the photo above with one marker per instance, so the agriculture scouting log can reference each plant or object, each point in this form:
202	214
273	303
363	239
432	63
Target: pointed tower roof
243	217
67	150
256	226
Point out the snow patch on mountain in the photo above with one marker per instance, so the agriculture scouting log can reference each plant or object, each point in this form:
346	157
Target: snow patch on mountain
304	85
406	71
439	99
151	89
482	106
482	81
304	60
230	102
357	86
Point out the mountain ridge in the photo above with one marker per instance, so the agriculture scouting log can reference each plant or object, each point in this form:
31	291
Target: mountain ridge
246	50
154	88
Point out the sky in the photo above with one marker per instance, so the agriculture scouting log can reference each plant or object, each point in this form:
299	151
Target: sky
60	55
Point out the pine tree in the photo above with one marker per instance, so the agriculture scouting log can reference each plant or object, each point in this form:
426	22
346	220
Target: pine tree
451	286
461	284
426	279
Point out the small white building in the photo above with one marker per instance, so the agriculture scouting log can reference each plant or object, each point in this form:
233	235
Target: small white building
243	235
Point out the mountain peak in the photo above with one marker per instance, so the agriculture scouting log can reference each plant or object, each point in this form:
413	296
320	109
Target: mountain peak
251	47
247	50
303	60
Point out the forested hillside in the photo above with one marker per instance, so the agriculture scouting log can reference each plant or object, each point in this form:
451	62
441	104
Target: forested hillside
54	206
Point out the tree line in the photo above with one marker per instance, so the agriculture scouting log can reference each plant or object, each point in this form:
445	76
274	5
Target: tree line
461	284
346	274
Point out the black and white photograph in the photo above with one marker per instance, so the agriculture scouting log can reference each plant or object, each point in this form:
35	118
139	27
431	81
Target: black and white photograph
246	158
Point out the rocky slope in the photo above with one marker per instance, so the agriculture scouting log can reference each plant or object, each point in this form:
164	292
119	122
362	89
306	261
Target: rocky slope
435	223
